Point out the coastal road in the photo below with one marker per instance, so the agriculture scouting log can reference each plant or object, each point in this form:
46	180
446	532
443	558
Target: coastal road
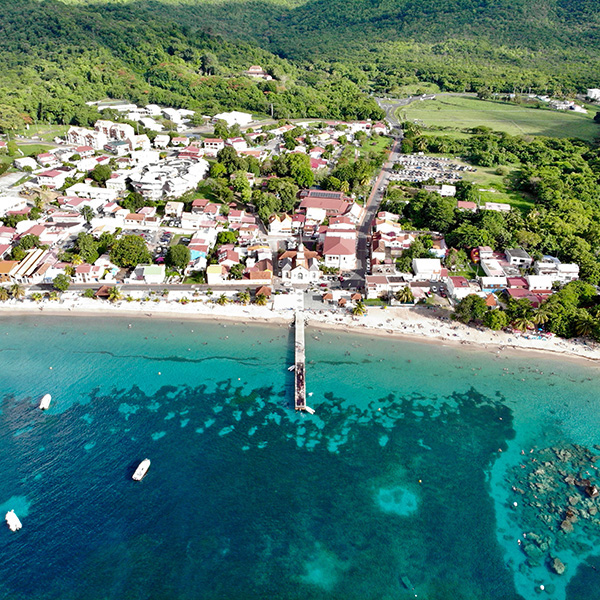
371	209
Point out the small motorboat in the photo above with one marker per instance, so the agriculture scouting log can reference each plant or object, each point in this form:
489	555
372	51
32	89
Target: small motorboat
292	368
13	521
142	469
45	402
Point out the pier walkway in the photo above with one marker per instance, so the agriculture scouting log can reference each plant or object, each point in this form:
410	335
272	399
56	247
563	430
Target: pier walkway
300	365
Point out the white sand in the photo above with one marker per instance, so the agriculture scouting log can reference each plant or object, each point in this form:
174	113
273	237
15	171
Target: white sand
413	323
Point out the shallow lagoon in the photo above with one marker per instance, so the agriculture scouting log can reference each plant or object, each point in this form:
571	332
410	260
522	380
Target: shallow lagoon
403	471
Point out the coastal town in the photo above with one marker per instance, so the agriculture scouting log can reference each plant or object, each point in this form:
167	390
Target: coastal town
239	211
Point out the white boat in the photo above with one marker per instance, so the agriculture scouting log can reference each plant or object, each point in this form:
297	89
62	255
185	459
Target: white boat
309	410
13	521
142	469
45	403
291	368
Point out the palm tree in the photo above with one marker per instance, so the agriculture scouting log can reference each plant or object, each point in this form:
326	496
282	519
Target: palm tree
3	294
17	291
405	295
114	294
222	300
244	298
77	259
261	300
584	325
522	324
359	309
541	317
53	296
37	297
345	187
87	213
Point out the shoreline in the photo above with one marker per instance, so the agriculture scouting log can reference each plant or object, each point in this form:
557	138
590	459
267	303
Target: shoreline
395	323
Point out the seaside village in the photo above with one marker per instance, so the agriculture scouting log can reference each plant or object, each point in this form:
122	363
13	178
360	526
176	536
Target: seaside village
313	245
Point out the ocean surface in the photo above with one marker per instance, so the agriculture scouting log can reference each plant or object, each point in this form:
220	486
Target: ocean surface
418	469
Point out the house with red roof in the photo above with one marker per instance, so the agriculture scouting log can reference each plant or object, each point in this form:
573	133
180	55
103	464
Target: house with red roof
237	143
48	160
52	179
84	151
317	205
213	145
86	273
458	287
339	252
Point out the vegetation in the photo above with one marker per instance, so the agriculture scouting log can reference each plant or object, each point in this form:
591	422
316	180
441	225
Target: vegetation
572	311
456	45
178	257
459	113
130	251
55	58
560	176
61	282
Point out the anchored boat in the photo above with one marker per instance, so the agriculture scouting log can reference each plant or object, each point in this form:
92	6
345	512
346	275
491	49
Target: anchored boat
13	521
45	403
142	469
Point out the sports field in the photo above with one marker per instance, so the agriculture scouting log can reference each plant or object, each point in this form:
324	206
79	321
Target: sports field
460	112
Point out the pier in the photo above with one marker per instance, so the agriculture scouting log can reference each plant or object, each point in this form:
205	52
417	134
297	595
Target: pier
300	365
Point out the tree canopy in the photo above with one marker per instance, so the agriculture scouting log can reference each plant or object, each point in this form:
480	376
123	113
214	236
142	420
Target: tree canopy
129	251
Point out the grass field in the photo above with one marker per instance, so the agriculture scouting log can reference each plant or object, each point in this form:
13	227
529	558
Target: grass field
493	188
461	112
377	146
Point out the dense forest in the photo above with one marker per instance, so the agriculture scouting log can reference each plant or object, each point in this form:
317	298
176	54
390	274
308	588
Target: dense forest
461	45
57	57
324	55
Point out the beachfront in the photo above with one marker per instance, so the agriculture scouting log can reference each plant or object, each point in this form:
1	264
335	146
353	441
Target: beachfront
413	322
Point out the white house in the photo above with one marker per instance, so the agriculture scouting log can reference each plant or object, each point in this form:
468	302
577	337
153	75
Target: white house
427	269
83	190
214	144
492	268
517	257
216	274
560	273
11	203
339	252
458	287
153	274
497	206
174	209
234	118
237	144
279	225
539	283
161	141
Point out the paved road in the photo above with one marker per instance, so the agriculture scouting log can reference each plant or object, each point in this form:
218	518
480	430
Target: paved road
372	207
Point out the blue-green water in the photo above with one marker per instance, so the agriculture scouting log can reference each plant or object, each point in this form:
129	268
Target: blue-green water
405	469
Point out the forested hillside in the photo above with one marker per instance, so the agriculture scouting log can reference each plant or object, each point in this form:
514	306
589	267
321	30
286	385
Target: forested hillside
548	45
56	57
324	54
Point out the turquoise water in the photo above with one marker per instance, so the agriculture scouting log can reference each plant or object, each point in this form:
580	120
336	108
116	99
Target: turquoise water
405	470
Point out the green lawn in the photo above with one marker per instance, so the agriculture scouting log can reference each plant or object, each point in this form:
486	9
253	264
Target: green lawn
33	149
461	112
486	179
375	145
46	132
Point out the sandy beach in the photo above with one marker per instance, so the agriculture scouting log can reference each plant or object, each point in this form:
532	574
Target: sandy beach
410	323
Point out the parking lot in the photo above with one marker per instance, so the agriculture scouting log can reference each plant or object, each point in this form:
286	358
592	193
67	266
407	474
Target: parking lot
157	241
421	168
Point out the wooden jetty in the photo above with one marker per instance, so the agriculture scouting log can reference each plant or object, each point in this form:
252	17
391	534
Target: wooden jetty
300	365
